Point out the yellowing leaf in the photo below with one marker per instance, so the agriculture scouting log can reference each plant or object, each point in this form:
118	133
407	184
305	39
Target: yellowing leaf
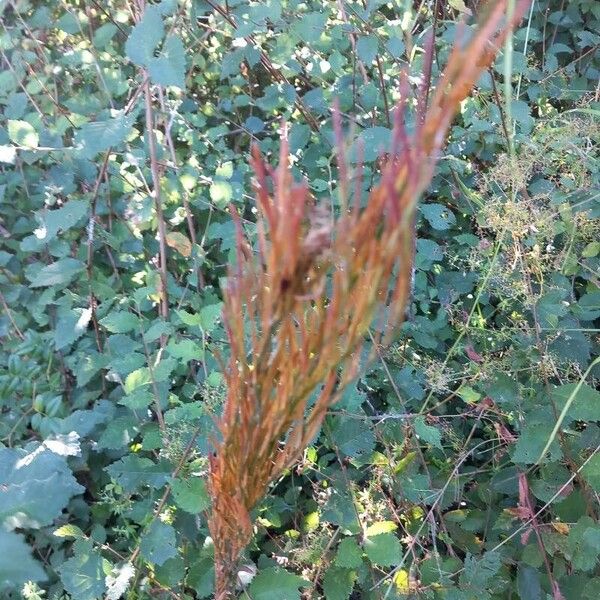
23	134
381	527
69	531
460	6
402	581
562	528
311	521
179	242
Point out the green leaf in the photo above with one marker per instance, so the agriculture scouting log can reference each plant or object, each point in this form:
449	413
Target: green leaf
276	584
145	37
374	142
528	583
23	134
366	48
84	574
478	571
99	136
383	550
591	472
169	67
585	405
532	441
588	307
428	433
159	543
190	494
120	322
353	437
592	249
310	26
201	577
61	219
338	583
17	566
349	554
136	379
206	319
132	472
58	273
221	193
254	124
104	34
438	216
119	433
185	350
26	479
71	327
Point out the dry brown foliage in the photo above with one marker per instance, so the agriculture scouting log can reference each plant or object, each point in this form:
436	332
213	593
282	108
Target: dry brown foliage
296	314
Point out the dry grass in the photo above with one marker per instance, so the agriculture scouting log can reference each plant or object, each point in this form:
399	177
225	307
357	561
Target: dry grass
297	313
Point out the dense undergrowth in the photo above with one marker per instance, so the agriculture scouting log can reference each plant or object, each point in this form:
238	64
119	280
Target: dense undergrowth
464	464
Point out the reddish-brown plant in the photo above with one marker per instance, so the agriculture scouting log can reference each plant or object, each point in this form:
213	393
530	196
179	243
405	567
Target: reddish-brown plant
297	312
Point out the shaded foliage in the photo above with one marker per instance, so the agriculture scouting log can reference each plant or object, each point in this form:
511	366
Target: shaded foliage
428	476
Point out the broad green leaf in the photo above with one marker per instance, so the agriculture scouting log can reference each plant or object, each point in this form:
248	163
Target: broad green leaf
190	494
276	584
479	570
353	437
338	583
71	326
132	472
169	67
532	441
186	350
201	577
119	433
99	136
17	566
366	48
145	37
438	216
84	574
374	142
428	433
26	479
591	472
310	26
221	193
58	273
104	34
23	134
254	124
383	550
171	573
159	543
61	219
349	554
136	379
528	583
120	322
158	328
585	404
